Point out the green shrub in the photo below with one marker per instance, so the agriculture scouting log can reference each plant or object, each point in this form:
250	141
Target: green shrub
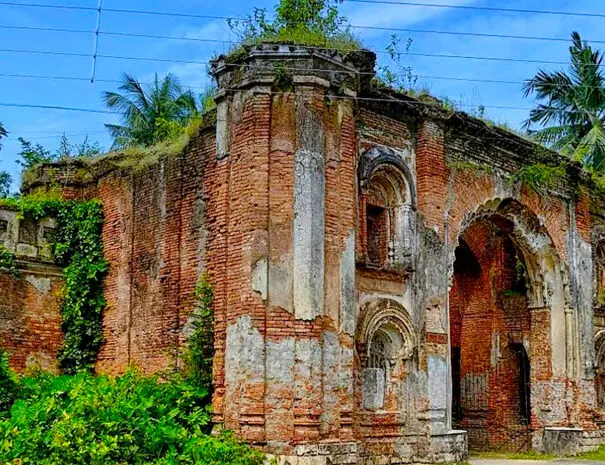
200	342
541	178
7	261
78	247
135	420
8	386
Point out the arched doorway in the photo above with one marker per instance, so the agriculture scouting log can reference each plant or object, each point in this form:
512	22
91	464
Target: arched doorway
490	330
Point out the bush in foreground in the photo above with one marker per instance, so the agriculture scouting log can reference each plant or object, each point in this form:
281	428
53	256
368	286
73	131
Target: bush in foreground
97	420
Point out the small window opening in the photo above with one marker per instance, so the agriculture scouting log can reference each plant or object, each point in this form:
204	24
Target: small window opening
524	384
520	279
375	373
27	232
457	411
377	233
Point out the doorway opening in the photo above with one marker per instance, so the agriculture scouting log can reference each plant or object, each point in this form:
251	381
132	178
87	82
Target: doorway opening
490	327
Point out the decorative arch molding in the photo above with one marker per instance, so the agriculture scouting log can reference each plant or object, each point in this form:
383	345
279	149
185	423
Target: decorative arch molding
380	157
387	208
548	276
385	341
390	317
599	342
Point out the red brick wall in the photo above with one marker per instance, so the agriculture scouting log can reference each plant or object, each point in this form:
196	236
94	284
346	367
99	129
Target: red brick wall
153	236
30	319
485	322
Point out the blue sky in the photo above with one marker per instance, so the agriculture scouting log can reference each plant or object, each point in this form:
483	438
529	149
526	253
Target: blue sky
46	126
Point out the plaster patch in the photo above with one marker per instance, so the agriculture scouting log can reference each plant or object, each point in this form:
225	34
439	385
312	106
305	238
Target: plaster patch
348	315
259	278
41	284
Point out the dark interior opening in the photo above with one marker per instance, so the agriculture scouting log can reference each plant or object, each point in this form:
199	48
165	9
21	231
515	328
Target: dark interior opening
457	413
524	384
466	263
377	235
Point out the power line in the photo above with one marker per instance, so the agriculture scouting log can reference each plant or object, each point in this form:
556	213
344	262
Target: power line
367	99
53	107
172	60
481	8
44	52
115	81
471	34
339	97
375	28
378	2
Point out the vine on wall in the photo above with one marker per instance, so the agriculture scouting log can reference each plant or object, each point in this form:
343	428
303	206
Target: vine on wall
200	342
77	246
7	261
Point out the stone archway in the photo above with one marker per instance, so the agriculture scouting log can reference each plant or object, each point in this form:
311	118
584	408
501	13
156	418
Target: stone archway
387	209
507	293
386	342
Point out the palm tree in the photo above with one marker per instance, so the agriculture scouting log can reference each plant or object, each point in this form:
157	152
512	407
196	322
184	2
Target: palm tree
574	105
149	114
3	133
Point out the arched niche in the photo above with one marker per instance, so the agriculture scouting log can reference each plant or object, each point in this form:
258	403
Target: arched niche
507	336
547	278
385	341
600	369
387	207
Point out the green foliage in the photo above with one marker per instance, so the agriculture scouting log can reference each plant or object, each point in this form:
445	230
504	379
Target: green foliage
78	248
7	261
31	154
137	158
8	385
398	76
283	79
597	455
572	108
34	154
540	177
84	149
134	420
470	165
151	114
597	183
303	22
3	133
200	343
5	184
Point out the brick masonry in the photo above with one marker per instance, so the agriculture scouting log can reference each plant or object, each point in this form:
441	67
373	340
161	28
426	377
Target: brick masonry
381	283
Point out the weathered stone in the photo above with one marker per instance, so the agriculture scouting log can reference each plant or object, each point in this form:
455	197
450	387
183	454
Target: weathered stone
379	277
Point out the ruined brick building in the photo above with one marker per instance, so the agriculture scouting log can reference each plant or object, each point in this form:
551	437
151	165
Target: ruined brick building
385	286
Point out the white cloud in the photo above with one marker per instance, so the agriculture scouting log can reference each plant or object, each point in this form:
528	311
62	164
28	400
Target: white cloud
385	15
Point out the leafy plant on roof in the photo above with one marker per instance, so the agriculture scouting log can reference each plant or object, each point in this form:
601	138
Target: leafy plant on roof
571	108
304	22
397	75
33	154
150	114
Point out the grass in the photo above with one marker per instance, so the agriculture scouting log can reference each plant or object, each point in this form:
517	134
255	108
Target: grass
597	455
344	41
138	158
526	455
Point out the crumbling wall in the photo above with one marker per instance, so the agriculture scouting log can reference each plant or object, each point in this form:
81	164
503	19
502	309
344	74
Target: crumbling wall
154	237
31	294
